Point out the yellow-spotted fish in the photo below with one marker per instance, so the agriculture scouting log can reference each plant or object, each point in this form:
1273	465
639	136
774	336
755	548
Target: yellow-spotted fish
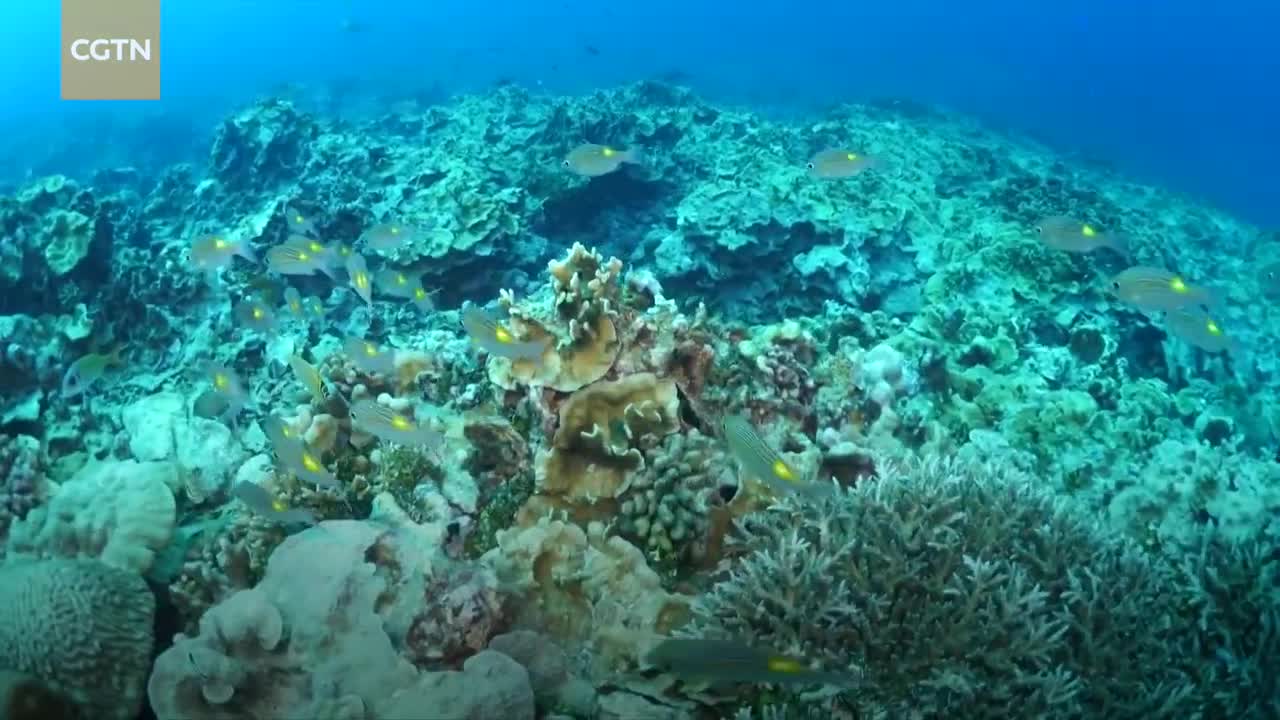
227	384
310	378
279	432
209	253
1071	235
835	164
369	356
255	315
591	160
298	221
1196	326
1152	288
387	237
314	307
733	661
296	259
260	502
88	370
759	461
293	303
384	423
398	283
494	338
298	459
359	278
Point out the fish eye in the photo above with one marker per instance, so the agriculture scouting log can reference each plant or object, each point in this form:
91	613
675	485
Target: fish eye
1115	286
809	165
564	163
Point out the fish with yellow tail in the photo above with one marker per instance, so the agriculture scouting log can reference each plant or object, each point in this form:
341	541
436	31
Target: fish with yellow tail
731	661
758	461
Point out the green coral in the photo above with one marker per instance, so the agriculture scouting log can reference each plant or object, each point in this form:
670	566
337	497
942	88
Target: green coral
499	513
952	589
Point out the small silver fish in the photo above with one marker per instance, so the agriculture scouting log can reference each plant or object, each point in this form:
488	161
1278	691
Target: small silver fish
86	371
591	160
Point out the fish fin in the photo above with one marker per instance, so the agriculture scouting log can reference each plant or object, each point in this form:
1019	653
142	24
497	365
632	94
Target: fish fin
634	155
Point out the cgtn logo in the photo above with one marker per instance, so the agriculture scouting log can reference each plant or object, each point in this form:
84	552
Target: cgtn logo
111	50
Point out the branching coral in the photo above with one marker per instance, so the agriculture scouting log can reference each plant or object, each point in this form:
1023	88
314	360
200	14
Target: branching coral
949	589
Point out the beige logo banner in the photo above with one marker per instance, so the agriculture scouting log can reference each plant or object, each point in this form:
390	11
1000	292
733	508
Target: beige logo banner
110	49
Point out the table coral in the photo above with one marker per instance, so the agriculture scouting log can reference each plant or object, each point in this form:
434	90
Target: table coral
579	326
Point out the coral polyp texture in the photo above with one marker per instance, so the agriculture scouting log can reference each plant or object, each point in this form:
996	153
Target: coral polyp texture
524	406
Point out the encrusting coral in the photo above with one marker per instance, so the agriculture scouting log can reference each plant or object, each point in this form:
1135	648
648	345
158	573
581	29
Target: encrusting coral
346	615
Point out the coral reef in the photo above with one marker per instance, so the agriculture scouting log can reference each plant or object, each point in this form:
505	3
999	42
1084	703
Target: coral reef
981	398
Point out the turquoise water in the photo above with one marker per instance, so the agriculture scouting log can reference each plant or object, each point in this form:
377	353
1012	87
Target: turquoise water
1179	93
606	360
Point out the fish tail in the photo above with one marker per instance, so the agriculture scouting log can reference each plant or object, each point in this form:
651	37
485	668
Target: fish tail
246	252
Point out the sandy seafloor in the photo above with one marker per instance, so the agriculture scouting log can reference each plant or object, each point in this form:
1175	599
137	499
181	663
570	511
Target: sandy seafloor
1038	501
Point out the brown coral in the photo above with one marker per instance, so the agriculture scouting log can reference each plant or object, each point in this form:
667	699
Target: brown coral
598	441
579	329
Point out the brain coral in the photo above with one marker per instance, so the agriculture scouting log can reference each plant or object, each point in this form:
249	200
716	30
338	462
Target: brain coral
80	627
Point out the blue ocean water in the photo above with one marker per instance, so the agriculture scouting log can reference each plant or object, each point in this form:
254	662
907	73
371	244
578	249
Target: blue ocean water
1179	93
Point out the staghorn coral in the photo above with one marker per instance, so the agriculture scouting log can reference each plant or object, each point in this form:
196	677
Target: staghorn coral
1044	614
598	443
1232	588
579	328
80	627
